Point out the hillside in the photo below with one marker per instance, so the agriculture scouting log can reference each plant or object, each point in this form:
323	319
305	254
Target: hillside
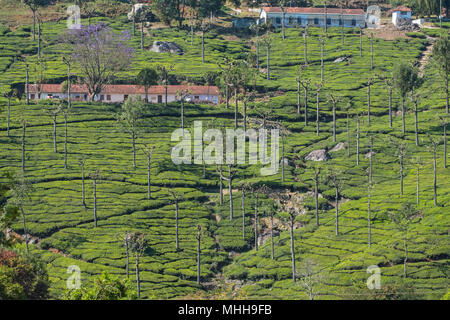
62	227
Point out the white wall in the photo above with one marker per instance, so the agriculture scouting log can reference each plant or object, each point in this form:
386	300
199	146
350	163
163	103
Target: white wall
118	98
310	19
396	15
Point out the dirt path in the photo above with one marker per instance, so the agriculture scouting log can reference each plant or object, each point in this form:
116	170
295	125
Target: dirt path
425	57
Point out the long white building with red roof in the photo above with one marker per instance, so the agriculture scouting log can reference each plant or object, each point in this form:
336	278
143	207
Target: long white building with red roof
117	93
315	17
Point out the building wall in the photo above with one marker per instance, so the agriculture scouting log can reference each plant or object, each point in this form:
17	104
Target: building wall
317	20
118	98
396	15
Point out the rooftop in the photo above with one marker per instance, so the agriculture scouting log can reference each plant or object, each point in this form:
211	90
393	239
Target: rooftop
314	10
129	89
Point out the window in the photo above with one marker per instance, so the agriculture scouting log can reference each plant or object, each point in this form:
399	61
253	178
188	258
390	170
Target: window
316	20
32	96
291	20
102	97
353	22
159	98
299	20
277	20
108	97
328	21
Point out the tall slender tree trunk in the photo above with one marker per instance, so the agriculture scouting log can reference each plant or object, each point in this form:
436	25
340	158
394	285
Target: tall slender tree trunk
127	266
445	145
149	191
316	195
305	38
236	104
357	140
418	181
165	92
9	115
292	248
334	122
27	85
368	104
446	94
69	100
256	221
177	244
243	214
55	148
95	202
337	211
39	39
369	217
142	35
192	28
406	254
370	160
401	175
230	190
390	107
271	237
25	234
268	62
227	96
182	116
65	140
133	138
257	53
298	97
34	25
348	134
134	21
282	157
198	257
416	123
360	42
82	185
306	106
317	113
138	280
203	46
245	115
24	125
321	59
403	115
434	178
371	52
221	185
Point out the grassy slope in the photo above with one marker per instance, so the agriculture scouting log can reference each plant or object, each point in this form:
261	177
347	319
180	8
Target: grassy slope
57	216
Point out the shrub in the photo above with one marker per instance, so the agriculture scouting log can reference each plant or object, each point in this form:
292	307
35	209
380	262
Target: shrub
22	277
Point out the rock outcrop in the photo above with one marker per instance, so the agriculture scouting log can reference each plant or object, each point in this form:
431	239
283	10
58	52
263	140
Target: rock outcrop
164	47
318	155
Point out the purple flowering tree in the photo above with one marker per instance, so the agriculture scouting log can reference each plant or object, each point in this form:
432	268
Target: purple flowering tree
100	53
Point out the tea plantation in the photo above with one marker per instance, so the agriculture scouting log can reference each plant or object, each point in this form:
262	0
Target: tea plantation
63	228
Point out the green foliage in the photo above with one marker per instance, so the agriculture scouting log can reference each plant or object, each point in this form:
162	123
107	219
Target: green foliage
22	276
105	287
405	78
